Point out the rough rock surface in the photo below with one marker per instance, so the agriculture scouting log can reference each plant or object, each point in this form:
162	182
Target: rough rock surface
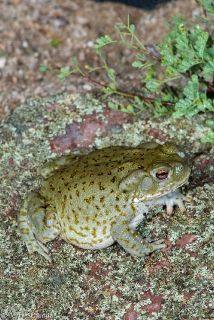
109	283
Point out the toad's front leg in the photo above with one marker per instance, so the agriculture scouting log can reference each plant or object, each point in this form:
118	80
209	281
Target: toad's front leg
37	224
130	240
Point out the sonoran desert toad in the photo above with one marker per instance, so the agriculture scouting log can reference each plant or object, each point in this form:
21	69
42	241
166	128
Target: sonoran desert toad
101	197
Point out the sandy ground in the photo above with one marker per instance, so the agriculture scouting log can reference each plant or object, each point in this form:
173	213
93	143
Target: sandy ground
28	27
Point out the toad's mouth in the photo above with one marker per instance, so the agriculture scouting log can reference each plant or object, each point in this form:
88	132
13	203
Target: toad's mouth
161	193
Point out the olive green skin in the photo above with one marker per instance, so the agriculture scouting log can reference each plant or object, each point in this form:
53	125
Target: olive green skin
99	198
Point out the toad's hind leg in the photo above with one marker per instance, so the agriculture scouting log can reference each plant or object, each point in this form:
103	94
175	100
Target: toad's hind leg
130	240
37	224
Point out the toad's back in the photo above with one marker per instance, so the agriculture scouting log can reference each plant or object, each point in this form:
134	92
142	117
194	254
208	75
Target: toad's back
86	194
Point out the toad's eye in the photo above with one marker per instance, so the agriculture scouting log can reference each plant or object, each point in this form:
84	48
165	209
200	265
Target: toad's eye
162	174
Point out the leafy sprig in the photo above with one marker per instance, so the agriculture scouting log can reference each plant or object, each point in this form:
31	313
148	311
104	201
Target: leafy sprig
185	56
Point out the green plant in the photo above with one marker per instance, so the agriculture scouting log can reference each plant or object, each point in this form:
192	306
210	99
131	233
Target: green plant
187	54
55	42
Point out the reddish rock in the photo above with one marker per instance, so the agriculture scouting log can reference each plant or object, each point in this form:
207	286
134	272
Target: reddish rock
11	162
188	295
185	239
130	315
159	134
82	134
155	305
161	264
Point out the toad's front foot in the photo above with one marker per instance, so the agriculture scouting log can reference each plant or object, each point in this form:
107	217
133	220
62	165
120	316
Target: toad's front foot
174	198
